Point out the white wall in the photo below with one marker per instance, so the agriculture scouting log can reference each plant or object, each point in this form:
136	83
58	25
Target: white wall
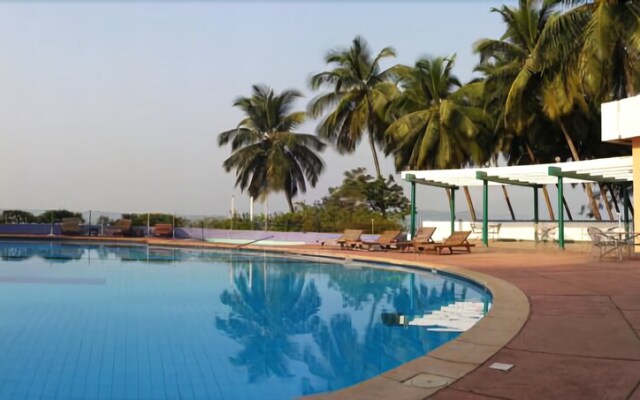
620	119
521	230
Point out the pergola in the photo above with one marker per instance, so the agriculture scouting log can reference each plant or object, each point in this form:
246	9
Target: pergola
604	170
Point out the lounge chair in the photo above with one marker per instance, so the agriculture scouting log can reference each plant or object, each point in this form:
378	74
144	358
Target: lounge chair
350	238
71	226
385	241
457	240
163	230
420	241
121	227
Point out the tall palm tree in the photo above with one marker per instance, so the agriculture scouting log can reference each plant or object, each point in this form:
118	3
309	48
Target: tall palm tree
266	154
600	41
522	133
584	55
503	61
435	125
359	90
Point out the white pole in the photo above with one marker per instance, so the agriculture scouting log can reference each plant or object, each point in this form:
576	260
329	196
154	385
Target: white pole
233	209
266	213
233	206
251	211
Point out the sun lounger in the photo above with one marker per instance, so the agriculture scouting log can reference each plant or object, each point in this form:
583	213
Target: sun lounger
71	226
350	238
164	230
421	240
458	240
385	241
121	227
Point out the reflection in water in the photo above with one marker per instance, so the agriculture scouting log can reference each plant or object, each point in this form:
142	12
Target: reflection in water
263	326
64	252
269	306
51	251
326	326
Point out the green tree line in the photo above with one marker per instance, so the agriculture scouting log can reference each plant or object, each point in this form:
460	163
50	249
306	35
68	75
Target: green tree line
537	100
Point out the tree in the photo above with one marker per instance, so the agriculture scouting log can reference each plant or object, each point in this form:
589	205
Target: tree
378	194
599	41
564	74
17	217
524	130
360	90
50	216
434	126
266	154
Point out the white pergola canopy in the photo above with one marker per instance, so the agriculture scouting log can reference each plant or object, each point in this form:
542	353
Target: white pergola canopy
614	169
603	170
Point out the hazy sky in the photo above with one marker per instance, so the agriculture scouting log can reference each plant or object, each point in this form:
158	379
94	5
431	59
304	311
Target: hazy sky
116	106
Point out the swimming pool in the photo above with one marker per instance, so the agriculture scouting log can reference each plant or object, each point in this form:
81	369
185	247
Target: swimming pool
107	322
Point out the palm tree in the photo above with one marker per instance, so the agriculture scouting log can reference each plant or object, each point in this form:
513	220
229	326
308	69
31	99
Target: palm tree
523	134
583	56
599	40
504	60
266	154
359	90
434	126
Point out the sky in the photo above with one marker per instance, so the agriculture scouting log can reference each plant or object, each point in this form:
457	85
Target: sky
116	106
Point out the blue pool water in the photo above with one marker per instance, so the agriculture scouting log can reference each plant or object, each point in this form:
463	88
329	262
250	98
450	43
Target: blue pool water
103	322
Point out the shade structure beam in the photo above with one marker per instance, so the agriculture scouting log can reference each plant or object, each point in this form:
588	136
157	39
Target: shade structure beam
483	176
412	178
584	176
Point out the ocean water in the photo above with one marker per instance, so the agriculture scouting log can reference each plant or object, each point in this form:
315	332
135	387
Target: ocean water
105	322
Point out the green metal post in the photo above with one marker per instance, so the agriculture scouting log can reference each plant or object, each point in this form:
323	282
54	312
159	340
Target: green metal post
625	194
560	214
485	213
535	213
452	209
413	210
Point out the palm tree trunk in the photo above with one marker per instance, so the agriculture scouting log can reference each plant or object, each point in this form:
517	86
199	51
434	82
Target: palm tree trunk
605	200
375	155
289	202
372	142
472	210
545	192
587	186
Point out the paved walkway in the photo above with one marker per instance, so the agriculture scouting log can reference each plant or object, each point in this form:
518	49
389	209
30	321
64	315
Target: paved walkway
582	338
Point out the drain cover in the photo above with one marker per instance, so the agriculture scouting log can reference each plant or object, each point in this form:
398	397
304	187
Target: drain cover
428	381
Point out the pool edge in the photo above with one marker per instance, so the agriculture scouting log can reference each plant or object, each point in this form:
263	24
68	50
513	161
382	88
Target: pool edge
443	366
416	379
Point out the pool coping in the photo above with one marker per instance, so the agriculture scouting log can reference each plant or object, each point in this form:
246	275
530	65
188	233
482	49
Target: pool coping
416	379
426	375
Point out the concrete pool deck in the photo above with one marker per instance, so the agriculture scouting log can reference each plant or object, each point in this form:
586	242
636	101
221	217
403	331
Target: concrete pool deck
572	330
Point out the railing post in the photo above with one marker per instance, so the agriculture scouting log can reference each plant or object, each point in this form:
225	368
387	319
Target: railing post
452	209
625	195
413	210
485	213
560	214
535	213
